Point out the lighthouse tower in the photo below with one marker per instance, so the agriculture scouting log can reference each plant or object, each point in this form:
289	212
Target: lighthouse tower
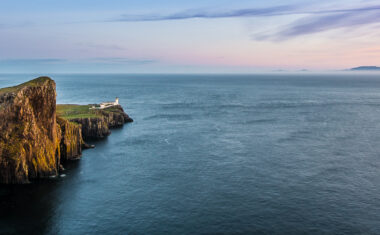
117	101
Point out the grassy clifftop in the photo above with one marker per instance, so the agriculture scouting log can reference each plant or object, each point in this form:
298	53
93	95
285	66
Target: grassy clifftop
71	111
32	83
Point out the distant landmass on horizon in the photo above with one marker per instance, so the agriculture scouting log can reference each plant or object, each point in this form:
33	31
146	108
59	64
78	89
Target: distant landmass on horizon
365	68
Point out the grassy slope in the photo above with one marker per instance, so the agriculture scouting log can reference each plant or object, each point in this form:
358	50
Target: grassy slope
71	111
31	83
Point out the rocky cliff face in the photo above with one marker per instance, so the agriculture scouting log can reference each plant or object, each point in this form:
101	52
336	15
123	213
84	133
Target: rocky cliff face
115	116
93	128
71	140
29	134
99	127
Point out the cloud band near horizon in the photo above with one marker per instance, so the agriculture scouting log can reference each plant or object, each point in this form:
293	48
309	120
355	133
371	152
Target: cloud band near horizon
314	21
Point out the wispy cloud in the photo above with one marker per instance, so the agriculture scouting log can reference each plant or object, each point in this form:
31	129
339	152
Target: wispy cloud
191	14
314	21
99	60
31	64
123	60
32	61
111	47
247	12
16	25
106	64
327	21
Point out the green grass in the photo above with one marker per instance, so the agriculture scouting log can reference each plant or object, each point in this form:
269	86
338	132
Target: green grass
111	109
31	83
72	111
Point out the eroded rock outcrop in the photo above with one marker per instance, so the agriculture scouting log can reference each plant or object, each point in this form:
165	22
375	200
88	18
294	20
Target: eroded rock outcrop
71	143
93	128
116	117
29	134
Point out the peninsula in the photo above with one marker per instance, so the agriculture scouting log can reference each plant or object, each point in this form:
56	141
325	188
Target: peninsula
37	136
366	68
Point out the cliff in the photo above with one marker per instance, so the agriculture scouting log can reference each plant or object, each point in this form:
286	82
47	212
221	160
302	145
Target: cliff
71	143
35	140
29	134
93	128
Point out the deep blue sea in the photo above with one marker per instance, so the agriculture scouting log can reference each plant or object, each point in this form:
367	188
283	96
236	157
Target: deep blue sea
211	154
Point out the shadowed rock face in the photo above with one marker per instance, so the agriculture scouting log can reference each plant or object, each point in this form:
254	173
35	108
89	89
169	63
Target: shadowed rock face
71	140
93	128
29	134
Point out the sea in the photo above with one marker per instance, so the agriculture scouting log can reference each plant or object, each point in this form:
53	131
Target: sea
214	154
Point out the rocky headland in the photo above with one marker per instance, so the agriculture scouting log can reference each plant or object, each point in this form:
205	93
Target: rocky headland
37	136
95	123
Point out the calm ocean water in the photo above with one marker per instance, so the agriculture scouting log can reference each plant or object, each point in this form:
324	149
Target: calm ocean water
265	154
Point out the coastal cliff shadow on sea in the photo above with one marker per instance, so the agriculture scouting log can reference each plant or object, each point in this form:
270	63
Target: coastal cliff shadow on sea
32	208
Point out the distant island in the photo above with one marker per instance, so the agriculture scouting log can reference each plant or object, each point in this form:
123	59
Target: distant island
37	136
365	68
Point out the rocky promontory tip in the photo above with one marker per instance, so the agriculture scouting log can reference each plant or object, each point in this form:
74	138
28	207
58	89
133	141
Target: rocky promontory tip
95	122
35	139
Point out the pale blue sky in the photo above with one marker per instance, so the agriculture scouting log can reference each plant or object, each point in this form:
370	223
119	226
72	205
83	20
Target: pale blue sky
162	36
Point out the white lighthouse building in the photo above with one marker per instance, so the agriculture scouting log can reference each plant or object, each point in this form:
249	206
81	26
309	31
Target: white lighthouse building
109	104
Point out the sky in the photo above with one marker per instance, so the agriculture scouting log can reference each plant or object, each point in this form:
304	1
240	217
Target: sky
178	36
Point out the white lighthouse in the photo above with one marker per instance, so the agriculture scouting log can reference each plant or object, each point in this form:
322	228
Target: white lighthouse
109	104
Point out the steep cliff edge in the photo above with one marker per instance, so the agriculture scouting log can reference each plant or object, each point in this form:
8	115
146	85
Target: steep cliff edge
71	143
29	134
